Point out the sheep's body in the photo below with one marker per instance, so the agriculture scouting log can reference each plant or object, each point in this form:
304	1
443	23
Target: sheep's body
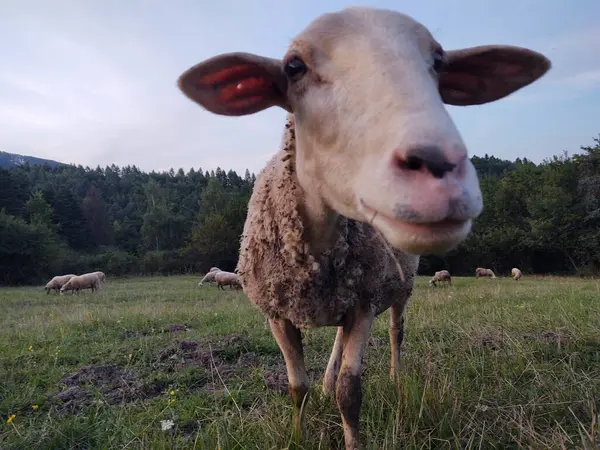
286	281
57	282
230	279
210	276
482	272
516	274
439	277
79	282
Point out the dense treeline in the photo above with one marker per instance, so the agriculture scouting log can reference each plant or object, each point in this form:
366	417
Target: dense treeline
542	218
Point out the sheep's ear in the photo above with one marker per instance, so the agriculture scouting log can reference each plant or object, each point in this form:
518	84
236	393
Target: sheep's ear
477	75
236	84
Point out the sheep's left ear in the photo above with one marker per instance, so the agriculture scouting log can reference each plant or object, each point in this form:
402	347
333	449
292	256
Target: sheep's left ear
236	84
477	75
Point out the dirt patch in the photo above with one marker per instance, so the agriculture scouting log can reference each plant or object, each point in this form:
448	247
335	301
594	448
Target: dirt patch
491	340
23	304
114	383
130	334
276	378
226	354
176	328
375	341
558	338
173	328
231	356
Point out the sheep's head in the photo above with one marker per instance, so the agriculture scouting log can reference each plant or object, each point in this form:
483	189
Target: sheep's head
367	88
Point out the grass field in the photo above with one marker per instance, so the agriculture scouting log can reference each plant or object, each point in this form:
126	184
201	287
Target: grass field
486	364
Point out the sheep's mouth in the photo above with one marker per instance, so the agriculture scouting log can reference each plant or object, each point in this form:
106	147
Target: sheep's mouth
443	227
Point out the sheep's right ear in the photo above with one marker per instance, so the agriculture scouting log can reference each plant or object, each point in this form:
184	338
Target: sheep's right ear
236	84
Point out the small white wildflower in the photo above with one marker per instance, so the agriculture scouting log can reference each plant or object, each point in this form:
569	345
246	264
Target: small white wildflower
166	424
481	407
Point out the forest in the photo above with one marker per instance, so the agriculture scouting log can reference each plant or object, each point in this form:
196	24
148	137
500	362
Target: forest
543	218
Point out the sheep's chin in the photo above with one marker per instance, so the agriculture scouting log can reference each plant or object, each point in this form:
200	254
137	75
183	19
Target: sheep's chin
419	238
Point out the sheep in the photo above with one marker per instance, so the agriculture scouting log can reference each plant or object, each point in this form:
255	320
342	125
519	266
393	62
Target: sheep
85	281
481	272
230	279
210	276
101	276
57	282
441	276
516	274
372	173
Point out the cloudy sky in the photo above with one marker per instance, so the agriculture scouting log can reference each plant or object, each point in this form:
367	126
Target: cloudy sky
93	81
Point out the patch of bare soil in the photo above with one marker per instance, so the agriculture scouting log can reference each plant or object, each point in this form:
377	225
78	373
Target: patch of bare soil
173	328
230	356
23	304
176	328
376	341
225	355
114	383
490	340
558	338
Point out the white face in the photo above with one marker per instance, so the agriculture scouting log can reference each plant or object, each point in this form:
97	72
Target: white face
366	113
367	88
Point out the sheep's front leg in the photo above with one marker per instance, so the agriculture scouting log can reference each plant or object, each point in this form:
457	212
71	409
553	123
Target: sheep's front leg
289	339
396	337
333	366
348	387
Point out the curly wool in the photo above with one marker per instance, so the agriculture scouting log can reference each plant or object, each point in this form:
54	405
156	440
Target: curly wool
281	276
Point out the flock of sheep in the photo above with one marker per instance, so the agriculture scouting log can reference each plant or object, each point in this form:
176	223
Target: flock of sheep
75	283
222	278
444	275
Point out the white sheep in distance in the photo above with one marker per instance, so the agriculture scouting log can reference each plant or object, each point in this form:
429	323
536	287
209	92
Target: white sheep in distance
101	277
481	272
516	274
439	277
79	282
230	279
210	276
372	172
57	282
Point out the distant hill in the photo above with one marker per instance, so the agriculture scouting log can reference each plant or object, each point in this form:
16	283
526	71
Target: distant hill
8	160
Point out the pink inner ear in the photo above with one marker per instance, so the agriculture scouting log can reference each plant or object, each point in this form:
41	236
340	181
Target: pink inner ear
240	87
227	74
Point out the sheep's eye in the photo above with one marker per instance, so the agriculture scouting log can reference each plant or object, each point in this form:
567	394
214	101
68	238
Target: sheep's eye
438	61
294	68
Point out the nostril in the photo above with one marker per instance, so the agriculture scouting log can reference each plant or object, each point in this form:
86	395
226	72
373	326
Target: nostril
431	158
411	163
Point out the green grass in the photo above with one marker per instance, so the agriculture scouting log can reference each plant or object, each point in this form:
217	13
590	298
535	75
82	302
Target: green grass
486	364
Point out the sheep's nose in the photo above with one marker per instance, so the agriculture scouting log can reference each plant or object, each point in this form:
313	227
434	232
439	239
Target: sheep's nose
429	157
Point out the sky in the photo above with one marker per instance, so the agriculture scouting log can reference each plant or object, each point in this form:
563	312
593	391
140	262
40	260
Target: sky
94	82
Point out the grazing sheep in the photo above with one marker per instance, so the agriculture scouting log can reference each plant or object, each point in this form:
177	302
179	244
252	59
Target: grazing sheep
516	274
481	272
210	276
372	172
230	279
441	276
100	276
57	282
79	282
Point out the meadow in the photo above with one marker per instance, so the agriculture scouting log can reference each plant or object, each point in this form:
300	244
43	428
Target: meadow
160	363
